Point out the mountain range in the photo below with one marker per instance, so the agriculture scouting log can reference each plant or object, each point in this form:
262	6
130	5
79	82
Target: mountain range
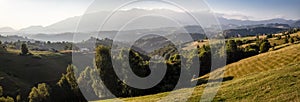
92	22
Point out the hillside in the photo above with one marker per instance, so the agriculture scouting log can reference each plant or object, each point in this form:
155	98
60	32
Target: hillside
18	74
271	76
263	62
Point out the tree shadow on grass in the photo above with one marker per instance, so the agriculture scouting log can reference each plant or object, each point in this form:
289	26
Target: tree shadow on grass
205	81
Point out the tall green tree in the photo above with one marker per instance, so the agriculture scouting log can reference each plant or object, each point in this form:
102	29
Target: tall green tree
231	46
68	87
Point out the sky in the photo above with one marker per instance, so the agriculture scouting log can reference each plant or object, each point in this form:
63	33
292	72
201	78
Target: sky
24	13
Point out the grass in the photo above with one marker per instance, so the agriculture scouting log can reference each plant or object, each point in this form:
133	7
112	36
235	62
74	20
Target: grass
272	76
273	40
20	73
263	62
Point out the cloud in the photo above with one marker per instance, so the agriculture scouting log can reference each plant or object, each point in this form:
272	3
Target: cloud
234	15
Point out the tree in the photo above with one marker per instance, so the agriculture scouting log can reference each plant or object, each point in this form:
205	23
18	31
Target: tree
6	99
286	40
278	37
0	42
269	36
68	88
66	47
40	93
24	49
239	42
48	42
257	37
265	46
231	46
292	40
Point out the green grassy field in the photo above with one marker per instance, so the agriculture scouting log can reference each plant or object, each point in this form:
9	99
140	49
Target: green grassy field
18	74
272	76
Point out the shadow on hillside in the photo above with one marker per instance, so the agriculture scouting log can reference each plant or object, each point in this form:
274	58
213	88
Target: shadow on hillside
205	81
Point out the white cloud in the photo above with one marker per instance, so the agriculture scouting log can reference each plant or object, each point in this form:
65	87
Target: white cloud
234	15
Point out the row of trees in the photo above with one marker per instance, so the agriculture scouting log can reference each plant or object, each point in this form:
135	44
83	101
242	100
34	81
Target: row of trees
66	90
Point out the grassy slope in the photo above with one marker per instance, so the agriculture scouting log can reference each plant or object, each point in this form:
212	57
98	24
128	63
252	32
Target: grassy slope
263	62
20	73
272	76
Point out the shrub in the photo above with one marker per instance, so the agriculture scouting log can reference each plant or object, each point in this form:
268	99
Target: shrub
6	99
265	46
40	93
24	49
286	40
292	40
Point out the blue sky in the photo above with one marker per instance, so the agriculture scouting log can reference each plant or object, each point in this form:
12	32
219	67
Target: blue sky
23	13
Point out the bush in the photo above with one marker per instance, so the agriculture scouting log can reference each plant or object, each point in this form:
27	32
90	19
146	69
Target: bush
6	99
265	46
278	37
286	40
269	36
40	93
24	49
292	40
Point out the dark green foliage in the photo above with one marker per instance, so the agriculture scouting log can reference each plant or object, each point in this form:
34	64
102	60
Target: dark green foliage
67	87
107	74
90	84
24	49
6	99
231	46
232	51
286	40
205	60
265	46
239	42
139	66
278	37
40	93
175	58
292	40
269	36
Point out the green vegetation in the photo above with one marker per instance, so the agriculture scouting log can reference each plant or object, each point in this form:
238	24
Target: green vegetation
264	46
40	93
249	59
24	49
255	79
18	74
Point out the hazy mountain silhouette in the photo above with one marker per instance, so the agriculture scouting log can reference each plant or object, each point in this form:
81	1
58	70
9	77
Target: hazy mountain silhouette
92	21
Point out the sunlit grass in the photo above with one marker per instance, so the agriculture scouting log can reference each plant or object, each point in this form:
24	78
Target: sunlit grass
272	76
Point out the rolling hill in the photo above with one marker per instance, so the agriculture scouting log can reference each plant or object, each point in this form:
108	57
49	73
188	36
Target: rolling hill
18	74
272	76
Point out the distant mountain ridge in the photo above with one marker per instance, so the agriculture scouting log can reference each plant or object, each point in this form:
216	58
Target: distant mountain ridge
7	29
93	21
